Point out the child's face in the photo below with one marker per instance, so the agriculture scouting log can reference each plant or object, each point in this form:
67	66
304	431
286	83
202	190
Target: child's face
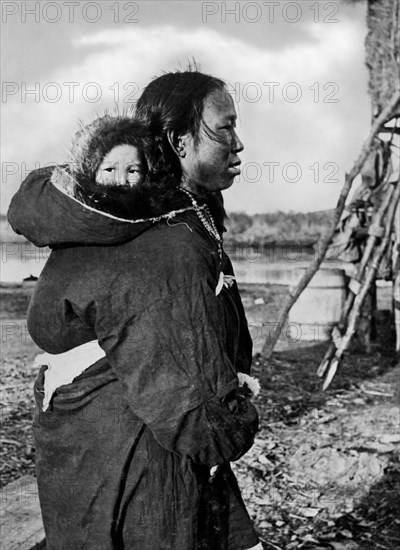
121	166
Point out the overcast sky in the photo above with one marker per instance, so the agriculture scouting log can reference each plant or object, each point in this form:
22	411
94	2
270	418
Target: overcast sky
296	71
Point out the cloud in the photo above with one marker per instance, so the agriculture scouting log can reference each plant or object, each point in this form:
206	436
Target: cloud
295	104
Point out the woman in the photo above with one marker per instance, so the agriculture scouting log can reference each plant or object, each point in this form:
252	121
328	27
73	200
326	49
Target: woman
126	454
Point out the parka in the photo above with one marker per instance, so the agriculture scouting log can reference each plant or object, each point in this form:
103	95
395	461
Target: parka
124	452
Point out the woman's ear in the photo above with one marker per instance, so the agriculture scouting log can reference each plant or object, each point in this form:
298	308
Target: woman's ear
178	142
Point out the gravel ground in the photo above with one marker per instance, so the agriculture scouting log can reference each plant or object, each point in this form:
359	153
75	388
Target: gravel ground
324	471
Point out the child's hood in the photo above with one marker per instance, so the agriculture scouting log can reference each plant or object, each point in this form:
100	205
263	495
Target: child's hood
48	215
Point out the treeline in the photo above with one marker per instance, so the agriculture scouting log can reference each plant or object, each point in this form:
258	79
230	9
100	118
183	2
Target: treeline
278	227
275	227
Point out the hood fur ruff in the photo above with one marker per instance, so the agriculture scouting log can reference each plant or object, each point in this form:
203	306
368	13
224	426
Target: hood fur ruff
88	149
94	141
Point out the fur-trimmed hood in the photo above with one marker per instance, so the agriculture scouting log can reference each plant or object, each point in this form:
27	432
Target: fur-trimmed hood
93	141
47	215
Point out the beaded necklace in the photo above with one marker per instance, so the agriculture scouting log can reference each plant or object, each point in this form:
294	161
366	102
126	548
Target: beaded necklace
206	219
209	225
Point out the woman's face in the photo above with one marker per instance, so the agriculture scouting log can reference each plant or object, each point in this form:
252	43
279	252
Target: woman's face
122	166
207	163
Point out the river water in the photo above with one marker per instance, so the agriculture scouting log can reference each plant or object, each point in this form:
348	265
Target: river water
273	265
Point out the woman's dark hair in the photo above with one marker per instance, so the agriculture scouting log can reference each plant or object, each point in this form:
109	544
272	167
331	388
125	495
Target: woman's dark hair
173	102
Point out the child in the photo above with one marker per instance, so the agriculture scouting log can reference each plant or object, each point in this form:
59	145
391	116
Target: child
106	165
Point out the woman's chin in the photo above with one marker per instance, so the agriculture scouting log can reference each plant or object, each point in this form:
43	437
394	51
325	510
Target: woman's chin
210	185
228	182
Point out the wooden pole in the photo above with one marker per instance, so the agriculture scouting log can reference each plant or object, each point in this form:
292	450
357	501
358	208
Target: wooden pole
323	244
372	241
343	343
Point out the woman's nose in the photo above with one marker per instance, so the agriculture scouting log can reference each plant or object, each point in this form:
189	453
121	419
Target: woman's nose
237	144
